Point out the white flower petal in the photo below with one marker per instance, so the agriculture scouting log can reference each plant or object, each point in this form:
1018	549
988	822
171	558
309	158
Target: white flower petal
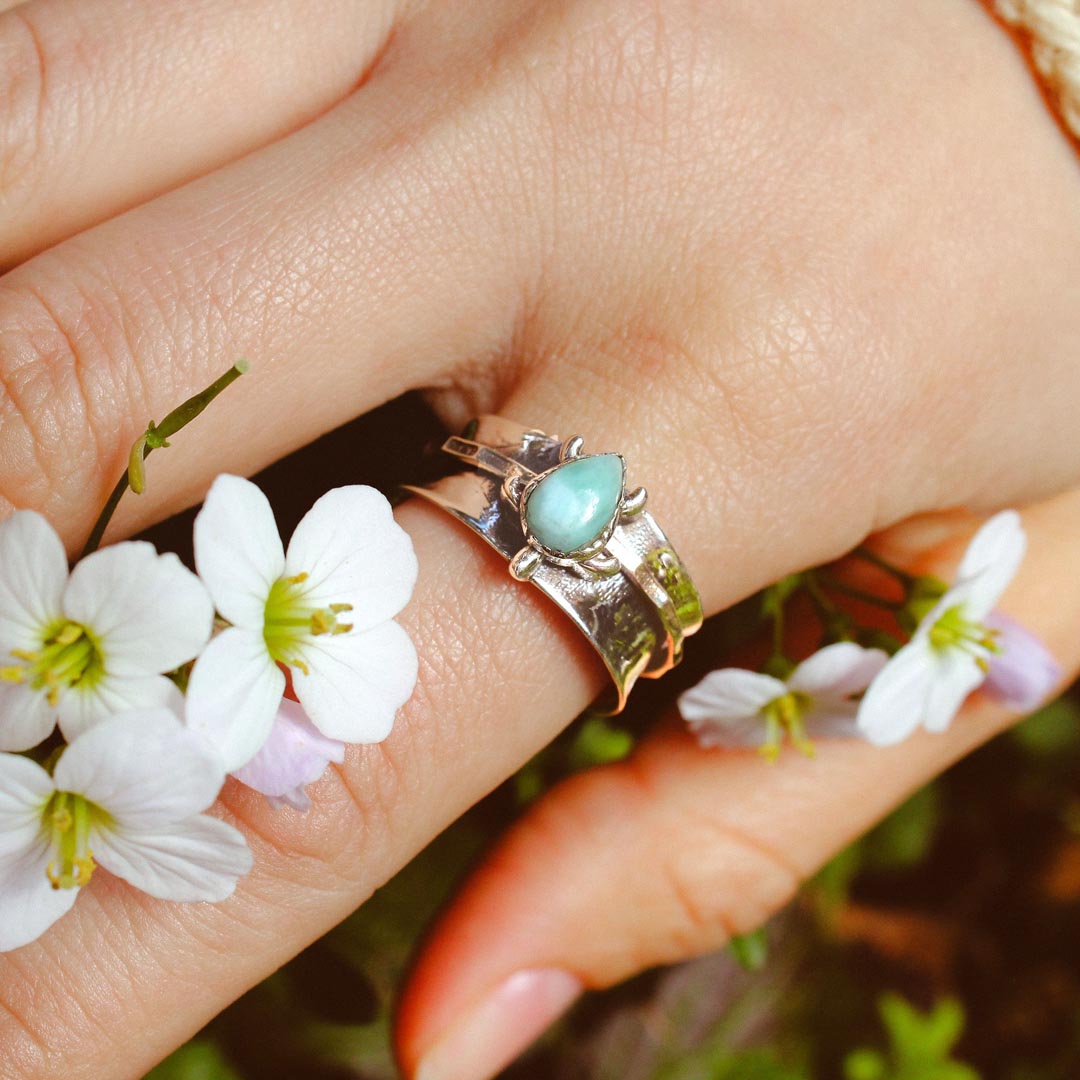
358	681
730	694
734	733
233	695
354	552
238	551
145	768
25	788
26	717
831	719
991	561
895	703
838	670
199	858
956	675
80	708
29	905
1000	540
148	611
33	570
296	754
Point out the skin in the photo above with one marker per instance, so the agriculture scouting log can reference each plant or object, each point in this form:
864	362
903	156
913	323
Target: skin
787	257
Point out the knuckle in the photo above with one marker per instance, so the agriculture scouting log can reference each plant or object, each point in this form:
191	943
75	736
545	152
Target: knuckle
35	68
715	880
22	90
23	1048
63	359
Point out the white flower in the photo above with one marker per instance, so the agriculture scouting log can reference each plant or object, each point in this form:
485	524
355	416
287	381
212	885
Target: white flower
348	559
734	707
127	795
926	682
78	648
296	754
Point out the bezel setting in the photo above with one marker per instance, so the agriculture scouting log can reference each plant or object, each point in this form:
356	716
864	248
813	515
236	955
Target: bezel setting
589	560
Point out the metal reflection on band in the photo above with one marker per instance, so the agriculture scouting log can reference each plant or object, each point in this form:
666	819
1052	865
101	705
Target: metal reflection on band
566	523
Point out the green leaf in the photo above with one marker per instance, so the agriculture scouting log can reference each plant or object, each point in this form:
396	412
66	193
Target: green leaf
598	742
864	1065
905	836
197	1060
751	950
1052	730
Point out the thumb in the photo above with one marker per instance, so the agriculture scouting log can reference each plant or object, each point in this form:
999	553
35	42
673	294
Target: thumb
670	853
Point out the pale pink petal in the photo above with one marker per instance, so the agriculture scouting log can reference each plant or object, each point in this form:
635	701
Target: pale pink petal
149	613
358	681
735	733
26	717
238	551
296	754
146	769
25	788
233	695
198	858
33	570
838	670
1024	673
354	552
895	703
29	905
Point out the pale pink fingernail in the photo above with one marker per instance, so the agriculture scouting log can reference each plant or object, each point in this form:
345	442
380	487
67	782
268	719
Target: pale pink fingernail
494	1032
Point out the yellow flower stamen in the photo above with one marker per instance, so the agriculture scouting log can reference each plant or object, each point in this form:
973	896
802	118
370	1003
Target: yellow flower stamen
69	656
67	820
784	718
291	620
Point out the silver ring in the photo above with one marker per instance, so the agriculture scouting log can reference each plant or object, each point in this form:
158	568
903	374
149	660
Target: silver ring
567	524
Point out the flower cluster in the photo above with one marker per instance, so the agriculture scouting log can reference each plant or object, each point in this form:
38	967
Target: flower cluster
130	686
867	682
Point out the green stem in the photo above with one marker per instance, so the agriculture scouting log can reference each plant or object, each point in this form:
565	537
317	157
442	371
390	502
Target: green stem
859	594
156	435
875	559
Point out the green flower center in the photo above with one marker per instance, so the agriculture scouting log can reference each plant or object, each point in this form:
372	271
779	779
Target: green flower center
784	720
68	819
953	630
291	620
70	656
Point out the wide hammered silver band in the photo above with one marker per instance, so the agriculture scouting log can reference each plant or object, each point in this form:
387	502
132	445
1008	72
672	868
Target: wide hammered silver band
530	496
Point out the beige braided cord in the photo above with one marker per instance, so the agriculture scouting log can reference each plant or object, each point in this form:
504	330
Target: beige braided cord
1054	29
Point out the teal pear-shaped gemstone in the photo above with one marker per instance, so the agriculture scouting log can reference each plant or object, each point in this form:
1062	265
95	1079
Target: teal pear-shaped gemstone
573	504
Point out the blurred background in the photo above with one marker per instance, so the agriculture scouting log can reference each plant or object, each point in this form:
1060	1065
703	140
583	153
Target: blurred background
945	945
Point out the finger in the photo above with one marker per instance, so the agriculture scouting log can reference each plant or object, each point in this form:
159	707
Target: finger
394	210
108	102
344	287
678	848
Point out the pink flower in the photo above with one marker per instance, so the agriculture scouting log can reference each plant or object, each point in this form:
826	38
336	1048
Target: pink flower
296	754
1023	672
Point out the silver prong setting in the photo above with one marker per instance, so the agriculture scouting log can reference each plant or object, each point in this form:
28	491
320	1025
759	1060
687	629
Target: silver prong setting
525	563
603	564
634	502
571	448
514	487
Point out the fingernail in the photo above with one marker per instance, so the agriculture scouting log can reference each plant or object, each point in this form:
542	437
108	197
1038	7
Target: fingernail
497	1030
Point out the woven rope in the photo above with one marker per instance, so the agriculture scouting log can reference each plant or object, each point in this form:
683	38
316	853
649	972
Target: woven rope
1054	29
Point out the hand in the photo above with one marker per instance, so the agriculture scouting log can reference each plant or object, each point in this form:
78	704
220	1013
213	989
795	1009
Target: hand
811	271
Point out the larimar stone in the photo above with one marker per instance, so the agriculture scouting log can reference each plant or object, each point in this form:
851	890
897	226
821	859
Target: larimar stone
575	502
